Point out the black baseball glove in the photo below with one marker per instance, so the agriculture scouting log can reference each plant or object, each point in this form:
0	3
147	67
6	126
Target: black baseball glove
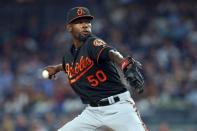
133	75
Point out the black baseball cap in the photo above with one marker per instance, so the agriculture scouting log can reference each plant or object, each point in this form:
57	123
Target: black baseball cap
78	12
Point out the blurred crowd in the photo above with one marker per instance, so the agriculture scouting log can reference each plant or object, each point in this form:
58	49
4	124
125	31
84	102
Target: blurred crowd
162	35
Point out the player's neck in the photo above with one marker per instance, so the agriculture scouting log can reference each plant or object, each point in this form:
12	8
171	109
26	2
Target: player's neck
77	43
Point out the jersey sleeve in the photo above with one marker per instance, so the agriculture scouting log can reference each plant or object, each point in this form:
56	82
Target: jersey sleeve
98	49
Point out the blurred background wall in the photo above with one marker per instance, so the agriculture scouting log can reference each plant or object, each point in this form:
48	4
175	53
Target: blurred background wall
162	34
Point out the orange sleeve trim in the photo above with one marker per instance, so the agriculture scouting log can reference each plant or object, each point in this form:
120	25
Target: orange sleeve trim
100	53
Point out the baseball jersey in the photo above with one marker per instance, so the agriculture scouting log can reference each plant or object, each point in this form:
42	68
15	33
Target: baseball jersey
91	76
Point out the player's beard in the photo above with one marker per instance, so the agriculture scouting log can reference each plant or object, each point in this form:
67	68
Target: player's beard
81	37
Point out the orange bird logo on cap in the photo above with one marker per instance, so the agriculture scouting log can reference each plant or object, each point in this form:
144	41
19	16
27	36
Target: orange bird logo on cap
80	12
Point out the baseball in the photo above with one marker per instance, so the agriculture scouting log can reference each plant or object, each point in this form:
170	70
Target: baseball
45	74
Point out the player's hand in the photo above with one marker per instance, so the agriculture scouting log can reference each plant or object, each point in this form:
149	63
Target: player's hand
52	71
133	74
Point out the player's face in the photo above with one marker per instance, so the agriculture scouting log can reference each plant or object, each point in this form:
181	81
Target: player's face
81	28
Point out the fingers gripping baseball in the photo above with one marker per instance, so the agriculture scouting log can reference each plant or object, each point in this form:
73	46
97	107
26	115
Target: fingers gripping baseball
49	72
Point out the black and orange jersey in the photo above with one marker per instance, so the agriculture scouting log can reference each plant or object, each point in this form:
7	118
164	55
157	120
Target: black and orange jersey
90	73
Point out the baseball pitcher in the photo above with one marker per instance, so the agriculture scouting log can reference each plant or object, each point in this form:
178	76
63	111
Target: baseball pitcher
92	66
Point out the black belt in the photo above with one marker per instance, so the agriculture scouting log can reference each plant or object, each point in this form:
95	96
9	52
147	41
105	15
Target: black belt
104	102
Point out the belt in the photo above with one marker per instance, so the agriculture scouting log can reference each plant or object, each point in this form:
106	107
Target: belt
105	102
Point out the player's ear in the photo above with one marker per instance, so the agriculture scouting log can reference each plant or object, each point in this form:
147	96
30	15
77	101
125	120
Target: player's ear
69	28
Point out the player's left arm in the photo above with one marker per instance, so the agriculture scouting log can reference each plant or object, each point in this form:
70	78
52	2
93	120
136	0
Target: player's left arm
130	68
101	51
